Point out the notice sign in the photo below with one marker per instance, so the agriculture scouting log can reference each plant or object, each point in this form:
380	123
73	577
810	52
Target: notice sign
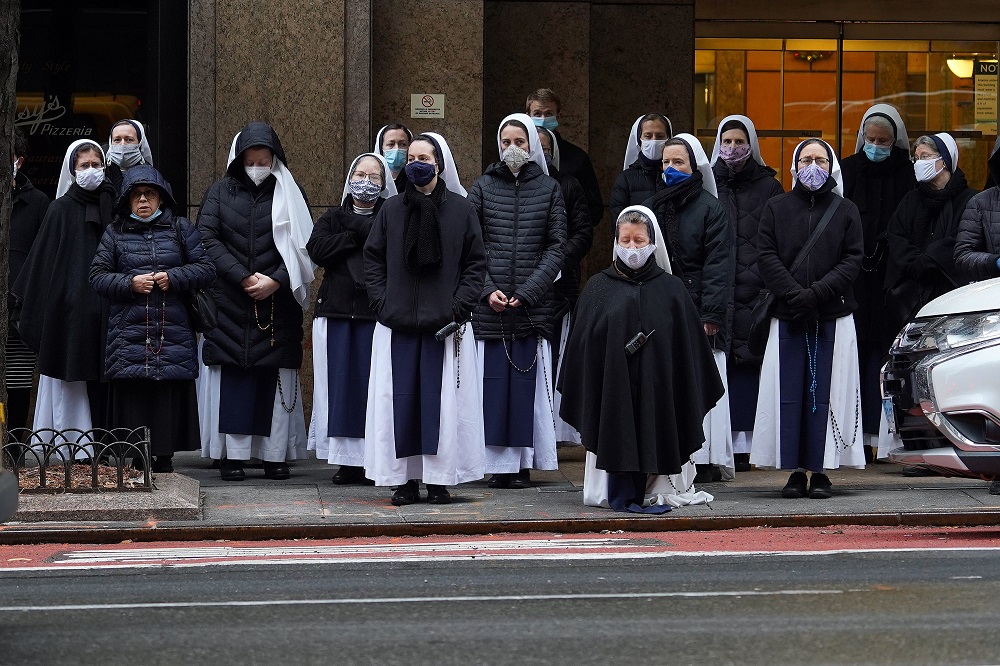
428	105
985	74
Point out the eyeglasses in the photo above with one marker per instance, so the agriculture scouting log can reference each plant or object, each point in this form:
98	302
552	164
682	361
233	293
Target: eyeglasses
806	161
373	177
148	195
917	158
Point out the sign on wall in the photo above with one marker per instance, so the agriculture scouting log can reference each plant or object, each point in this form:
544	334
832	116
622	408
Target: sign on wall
427	105
985	74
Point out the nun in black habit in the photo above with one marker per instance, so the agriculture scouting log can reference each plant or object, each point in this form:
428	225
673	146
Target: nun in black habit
639	376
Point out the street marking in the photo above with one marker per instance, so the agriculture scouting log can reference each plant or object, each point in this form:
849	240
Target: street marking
417	600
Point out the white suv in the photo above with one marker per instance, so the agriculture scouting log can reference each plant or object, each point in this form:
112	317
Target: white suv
942	384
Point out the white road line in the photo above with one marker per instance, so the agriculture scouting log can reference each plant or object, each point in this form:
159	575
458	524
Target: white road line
417	600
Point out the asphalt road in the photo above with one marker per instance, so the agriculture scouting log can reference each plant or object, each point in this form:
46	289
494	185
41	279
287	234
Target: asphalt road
899	607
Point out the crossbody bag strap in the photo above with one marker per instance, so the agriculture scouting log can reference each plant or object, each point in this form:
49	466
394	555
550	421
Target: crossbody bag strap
180	241
823	222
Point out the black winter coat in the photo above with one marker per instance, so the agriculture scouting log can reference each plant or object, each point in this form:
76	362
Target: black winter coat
922	235
876	188
428	302
641	180
236	229
579	236
337	245
132	247
29	206
524	231
786	223
743	193
977	247
574	161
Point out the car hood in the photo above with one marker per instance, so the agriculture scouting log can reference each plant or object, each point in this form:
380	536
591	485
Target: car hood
975	297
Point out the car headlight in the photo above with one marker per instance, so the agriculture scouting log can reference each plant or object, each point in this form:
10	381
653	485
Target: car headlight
944	333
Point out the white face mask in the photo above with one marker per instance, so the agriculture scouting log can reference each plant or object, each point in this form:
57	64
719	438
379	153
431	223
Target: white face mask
653	148
924	169
257	173
634	257
90	178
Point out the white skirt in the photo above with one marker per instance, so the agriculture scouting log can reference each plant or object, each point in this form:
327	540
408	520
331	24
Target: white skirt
674	490
461	442
564	432
847	450
287	440
542	453
718	447
335	450
62	405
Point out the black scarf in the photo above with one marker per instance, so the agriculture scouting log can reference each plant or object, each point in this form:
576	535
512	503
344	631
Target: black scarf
932	201
665	205
99	203
422	229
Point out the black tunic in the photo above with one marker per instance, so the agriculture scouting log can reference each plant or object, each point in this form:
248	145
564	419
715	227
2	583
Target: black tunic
644	412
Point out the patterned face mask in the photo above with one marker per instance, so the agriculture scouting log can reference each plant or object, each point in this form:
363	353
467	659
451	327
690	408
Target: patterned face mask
634	257
364	190
735	156
812	176
515	157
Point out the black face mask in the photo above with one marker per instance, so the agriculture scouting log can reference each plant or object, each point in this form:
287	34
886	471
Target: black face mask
420	173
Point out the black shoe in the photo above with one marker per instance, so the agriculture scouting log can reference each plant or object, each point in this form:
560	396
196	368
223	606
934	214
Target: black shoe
995	487
914	471
708	474
820	486
163	464
231	470
499	481
796	486
520	480
437	494
349	475
742	461
276	470
408	493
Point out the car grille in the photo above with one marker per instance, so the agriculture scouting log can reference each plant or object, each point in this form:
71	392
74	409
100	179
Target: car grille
916	431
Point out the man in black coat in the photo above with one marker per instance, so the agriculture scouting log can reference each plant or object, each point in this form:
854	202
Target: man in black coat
543	106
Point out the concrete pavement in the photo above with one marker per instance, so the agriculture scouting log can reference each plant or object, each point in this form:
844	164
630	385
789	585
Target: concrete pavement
308	505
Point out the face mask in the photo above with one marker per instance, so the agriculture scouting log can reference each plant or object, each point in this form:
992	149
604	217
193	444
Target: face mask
156	214
257	173
548	122
924	169
634	257
653	148
90	179
812	176
515	157
125	155
364	191
877	153
672	176
396	158
420	173
735	156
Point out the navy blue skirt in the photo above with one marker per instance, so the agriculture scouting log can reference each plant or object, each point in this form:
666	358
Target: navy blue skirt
246	400
805	353
417	368
348	364
508	393
744	386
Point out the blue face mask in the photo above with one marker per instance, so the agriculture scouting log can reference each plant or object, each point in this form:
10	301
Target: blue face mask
672	176
420	173
152	217
548	122
395	158
877	153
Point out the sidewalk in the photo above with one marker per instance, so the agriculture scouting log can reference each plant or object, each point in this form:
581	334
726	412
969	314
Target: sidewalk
309	506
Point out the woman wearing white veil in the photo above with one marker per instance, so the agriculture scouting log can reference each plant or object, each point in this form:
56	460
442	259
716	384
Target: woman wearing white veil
255	223
523	218
344	321
700	238
128	146
809	253
639	179
391	143
639	376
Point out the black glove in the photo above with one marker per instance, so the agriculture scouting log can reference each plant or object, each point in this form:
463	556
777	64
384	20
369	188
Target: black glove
803	303
920	267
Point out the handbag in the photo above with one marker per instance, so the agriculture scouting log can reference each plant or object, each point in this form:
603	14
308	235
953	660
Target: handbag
763	307
202	311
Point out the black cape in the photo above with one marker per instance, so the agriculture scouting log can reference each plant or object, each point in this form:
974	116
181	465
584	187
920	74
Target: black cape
644	412
62	318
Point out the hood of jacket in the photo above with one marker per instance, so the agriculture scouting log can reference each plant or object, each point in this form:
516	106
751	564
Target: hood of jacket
144	174
255	134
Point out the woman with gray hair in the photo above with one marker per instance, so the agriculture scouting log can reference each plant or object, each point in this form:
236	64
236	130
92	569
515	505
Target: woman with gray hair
922	231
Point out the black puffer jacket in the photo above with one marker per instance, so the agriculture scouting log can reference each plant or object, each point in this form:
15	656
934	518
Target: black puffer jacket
133	247
428	302
524	231
26	216
641	180
579	237
977	248
786	223
337	245
744	193
235	224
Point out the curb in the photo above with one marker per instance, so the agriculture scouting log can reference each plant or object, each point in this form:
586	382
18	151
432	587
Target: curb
12	535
